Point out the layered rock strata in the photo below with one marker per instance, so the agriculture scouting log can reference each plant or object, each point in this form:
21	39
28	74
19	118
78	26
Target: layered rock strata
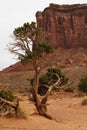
64	25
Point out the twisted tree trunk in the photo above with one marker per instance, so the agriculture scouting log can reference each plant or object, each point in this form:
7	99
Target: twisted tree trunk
41	105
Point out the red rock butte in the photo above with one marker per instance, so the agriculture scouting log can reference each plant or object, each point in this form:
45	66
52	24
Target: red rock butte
64	25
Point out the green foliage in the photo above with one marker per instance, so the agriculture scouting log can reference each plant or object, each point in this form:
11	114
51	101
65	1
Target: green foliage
44	79
69	89
30	36
84	101
47	47
49	78
7	94
31	81
38	52
27	30
82	86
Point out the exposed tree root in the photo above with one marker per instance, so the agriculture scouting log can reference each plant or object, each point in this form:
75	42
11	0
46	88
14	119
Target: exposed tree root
8	108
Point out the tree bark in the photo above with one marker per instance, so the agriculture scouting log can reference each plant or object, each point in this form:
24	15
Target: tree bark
5	105
41	105
12	104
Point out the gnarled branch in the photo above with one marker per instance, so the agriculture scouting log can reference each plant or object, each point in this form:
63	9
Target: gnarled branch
50	89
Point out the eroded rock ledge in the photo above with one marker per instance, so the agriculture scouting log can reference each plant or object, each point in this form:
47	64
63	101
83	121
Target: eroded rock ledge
64	25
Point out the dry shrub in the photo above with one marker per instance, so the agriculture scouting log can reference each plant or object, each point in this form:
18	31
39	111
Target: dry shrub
69	89
84	101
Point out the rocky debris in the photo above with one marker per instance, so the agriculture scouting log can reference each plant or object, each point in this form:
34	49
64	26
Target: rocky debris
61	57
68	61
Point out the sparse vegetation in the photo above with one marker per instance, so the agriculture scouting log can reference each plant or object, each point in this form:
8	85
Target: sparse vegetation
82	86
7	94
50	78
9	109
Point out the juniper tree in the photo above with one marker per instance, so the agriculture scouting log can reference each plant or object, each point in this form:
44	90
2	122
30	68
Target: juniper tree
30	46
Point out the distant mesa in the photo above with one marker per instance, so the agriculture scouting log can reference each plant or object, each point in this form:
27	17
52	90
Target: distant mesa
64	25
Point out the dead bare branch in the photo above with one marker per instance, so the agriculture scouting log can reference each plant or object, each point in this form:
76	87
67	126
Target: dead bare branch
7	106
50	89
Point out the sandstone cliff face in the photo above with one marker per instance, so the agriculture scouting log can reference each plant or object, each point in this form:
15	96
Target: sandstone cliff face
64	25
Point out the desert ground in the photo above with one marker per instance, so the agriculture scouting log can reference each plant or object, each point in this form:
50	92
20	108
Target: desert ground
66	109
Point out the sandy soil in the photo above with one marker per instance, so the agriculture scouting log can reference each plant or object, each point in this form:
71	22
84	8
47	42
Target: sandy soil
67	110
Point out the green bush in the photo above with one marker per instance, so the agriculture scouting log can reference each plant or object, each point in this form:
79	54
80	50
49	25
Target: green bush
44	79
31	80
50	78
82	86
7	94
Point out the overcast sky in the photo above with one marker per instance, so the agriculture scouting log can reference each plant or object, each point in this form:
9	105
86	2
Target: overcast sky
14	13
